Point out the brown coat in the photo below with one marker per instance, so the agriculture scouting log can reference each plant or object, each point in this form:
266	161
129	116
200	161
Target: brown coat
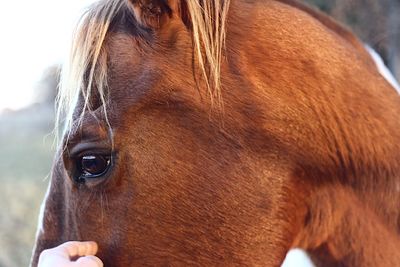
304	152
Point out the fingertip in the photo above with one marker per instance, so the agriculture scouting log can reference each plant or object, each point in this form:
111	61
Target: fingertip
93	247
90	248
87	248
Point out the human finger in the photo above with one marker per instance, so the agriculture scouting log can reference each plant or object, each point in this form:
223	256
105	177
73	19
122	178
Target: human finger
78	249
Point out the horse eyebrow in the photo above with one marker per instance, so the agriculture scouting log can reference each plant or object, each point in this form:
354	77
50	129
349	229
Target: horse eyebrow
87	65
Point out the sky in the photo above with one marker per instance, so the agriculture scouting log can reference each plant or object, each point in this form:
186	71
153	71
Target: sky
34	35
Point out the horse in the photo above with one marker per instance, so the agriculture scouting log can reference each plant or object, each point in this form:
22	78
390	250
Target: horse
223	133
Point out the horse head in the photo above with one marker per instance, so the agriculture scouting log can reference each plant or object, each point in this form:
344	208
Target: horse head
218	132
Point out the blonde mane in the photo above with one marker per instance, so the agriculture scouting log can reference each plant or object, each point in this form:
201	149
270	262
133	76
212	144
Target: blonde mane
85	74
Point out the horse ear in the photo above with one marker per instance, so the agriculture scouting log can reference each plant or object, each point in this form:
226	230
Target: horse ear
155	13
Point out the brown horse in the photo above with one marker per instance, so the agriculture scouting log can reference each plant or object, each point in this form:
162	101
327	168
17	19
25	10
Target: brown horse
224	133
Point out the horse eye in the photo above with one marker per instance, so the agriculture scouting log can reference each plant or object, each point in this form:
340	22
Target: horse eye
93	166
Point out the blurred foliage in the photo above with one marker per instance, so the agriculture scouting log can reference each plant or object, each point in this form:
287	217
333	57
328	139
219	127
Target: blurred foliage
25	162
45	89
323	5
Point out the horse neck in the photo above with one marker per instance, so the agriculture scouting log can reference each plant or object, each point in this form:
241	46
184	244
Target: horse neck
354	210
346	121
341	231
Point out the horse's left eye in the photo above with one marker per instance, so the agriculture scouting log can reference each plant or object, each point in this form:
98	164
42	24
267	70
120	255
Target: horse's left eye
92	166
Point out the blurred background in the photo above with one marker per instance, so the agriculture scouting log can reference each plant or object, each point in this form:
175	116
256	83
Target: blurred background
35	37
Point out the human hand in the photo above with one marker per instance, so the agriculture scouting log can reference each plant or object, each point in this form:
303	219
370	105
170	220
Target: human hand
63	255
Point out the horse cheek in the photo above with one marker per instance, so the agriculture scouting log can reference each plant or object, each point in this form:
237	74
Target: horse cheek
52	218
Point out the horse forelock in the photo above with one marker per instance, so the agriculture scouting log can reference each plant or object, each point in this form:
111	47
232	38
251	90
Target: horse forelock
85	73
87	65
